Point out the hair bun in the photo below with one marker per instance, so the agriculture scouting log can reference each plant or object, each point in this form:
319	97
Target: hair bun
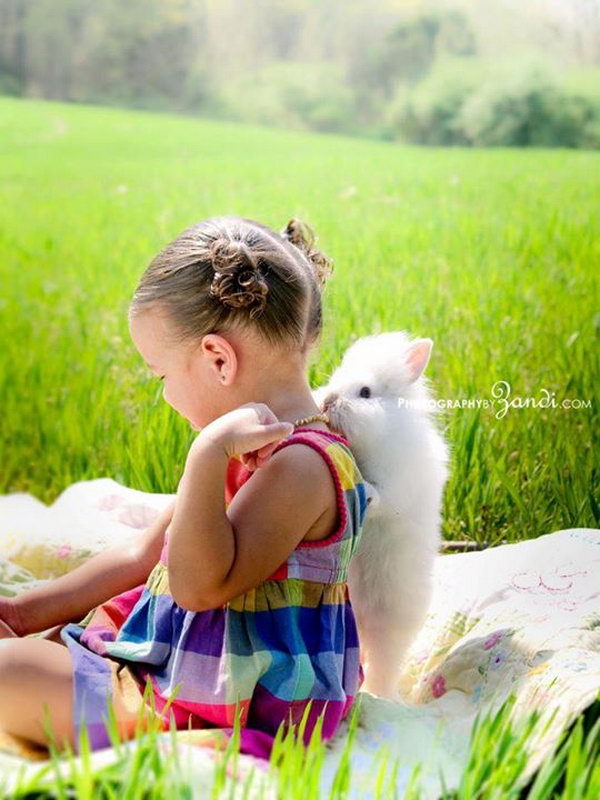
302	236
237	282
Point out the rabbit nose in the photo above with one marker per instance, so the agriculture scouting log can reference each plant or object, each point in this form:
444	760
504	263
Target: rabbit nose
329	401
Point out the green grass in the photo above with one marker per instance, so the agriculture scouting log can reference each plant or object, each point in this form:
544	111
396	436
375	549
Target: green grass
492	253
497	759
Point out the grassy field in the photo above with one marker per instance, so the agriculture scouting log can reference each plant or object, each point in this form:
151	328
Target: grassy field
492	253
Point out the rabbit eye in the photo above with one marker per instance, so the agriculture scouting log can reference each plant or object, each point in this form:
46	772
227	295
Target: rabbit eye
365	392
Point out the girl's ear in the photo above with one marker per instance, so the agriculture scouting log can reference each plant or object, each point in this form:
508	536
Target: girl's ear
417	357
221	357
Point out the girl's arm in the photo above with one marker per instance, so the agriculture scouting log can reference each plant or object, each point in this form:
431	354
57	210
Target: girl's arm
215	555
70	597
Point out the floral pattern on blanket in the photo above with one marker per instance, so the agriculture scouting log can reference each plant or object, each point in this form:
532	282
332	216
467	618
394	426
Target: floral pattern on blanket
521	618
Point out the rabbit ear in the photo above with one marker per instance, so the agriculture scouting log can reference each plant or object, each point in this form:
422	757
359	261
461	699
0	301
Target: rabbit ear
417	357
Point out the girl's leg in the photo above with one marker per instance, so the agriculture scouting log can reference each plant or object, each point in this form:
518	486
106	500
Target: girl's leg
6	632
35	672
53	634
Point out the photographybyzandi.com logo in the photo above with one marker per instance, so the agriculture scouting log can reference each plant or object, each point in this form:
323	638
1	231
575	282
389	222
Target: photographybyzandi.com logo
501	400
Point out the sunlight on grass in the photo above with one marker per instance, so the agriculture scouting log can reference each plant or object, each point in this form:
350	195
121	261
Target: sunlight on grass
494	254
497	758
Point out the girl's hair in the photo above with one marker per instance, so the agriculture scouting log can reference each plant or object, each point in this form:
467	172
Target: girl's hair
231	272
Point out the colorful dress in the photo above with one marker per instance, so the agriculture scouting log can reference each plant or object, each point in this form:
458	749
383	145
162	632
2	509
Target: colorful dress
269	650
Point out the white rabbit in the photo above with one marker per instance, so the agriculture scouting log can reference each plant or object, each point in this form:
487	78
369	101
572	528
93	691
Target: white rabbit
378	399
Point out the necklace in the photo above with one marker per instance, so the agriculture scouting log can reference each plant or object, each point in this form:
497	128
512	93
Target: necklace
313	418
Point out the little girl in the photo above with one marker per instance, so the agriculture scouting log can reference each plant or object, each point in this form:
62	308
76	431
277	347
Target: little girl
237	596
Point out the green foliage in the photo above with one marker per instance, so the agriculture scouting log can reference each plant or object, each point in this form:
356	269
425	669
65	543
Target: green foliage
313	66
499	745
414	43
292	94
9	82
527	108
517	104
409	50
428	115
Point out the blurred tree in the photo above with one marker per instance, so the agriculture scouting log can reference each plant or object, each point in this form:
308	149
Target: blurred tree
519	103
428	113
141	51
360	67
524	106
13	70
410	48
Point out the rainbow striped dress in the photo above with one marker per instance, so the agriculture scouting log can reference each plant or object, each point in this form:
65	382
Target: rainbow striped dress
267	652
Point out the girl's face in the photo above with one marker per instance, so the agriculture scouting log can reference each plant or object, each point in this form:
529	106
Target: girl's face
192	381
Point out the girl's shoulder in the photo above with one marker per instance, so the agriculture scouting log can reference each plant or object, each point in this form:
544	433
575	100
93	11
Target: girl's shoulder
349	483
334	448
337	453
321	560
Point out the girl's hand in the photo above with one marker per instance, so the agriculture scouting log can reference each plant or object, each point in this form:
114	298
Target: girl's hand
251	431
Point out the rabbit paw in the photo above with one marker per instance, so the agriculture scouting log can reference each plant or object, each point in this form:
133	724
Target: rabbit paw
373	496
